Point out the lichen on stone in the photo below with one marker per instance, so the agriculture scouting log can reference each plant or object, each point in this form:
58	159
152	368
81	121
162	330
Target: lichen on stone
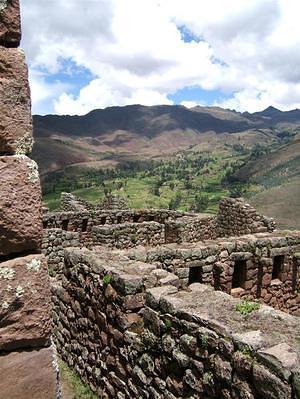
33	174
19	291
6	273
33	265
24	144
3	4
4	305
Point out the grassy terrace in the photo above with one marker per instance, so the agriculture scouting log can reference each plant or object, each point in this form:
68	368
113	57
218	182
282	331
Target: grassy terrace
190	181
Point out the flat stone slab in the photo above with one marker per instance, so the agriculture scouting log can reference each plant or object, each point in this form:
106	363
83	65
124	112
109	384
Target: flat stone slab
25	309
28	375
20	205
15	106
10	26
262	329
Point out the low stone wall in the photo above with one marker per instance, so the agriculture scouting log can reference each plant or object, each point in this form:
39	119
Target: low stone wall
129	235
128	340
74	221
236	217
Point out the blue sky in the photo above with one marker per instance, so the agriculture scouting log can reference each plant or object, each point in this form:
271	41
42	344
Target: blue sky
100	53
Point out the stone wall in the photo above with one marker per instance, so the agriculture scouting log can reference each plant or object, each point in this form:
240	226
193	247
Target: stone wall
190	229
236	217
53	244
27	361
262	266
130	333
70	203
129	235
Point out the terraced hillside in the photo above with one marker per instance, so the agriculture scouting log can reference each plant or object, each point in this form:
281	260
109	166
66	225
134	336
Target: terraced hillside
175	157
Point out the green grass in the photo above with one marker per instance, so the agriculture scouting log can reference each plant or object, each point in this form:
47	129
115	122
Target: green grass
203	171
72	379
245	307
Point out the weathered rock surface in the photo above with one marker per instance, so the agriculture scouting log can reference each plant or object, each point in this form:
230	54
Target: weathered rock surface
15	105
28	375
10	27
25	319
20	205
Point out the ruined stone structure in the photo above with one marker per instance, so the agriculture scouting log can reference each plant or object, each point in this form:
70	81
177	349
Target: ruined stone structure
166	304
147	303
71	203
27	358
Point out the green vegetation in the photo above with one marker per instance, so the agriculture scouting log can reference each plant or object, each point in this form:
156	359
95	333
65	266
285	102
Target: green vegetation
168	324
72	380
246	351
106	279
192	181
245	307
204	341
266	174
51	271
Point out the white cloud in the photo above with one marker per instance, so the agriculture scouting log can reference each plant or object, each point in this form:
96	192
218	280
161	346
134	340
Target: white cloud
136	53
190	104
43	91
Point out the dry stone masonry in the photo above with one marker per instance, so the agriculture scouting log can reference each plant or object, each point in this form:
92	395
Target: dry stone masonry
164	304
131	331
27	359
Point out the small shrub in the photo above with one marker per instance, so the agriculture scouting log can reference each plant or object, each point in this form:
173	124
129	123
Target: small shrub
51	271
246	351
245	307
168	324
204	341
106	279
133	238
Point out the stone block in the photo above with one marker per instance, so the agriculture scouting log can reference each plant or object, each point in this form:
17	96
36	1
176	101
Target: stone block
269	385
20	205
28	375
25	310
10	26
15	105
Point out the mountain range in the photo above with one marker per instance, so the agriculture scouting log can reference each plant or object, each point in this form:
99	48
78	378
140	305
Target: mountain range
104	138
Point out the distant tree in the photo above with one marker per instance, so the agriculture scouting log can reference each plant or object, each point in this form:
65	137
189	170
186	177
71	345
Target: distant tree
201	202
237	191
175	202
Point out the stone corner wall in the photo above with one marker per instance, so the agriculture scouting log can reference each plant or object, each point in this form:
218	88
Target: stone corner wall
236	217
27	359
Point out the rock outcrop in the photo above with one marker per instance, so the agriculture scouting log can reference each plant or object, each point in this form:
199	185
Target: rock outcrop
27	360
10	26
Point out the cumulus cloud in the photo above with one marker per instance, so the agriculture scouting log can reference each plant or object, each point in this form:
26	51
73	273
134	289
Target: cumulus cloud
136	52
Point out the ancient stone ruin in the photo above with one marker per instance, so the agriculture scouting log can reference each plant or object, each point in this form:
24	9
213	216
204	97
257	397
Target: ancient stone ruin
146	303
152	303
27	359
